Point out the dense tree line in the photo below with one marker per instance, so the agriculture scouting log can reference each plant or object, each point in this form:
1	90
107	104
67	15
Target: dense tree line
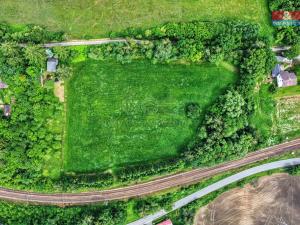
28	34
33	133
112	214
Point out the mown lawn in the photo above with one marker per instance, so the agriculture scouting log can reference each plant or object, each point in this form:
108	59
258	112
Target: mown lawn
134	113
96	18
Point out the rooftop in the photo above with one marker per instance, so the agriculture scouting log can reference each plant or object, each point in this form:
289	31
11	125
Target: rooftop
3	85
166	222
52	64
285	75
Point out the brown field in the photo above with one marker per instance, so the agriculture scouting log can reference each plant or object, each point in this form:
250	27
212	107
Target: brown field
272	200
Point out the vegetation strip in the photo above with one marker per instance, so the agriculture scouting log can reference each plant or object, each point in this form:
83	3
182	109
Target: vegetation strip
145	188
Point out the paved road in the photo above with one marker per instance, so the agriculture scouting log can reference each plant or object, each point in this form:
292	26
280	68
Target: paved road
216	186
147	188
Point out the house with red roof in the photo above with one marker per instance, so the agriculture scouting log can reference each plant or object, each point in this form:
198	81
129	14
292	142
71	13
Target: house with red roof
166	222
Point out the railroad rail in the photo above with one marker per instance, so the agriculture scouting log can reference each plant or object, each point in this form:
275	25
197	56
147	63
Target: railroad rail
142	189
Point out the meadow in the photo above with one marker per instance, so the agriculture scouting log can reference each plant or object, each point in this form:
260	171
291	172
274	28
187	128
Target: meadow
97	18
119	115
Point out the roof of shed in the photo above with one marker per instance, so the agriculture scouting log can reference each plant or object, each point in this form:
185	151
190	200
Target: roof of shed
276	70
52	64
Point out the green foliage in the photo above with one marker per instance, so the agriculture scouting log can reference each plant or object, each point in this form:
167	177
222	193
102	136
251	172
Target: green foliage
63	54
63	72
33	131
286	35
291	5
78	181
192	110
151	119
112	214
29	133
99	18
227	132
294	51
11	58
28	34
148	205
35	55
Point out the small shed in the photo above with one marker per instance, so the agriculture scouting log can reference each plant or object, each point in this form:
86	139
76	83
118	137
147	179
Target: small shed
6	110
3	85
285	79
276	71
166	222
52	65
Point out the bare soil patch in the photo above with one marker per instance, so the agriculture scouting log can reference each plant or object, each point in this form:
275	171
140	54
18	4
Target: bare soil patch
272	200
59	90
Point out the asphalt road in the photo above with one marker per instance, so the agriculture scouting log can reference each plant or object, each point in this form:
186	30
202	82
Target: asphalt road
216	186
146	188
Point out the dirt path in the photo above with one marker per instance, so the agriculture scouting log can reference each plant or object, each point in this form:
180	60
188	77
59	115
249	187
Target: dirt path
59	90
84	42
150	187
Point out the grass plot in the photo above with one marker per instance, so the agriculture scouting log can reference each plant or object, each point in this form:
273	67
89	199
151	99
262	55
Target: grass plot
134	113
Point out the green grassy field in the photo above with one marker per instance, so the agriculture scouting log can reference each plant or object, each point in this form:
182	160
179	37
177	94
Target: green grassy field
123	114
96	18
264	116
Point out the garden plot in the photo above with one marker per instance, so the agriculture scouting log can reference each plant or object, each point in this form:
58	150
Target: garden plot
288	116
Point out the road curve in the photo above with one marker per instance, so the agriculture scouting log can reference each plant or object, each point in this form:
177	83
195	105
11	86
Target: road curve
146	188
216	186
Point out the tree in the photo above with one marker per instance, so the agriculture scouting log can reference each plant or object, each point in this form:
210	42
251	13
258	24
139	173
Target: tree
35	55
294	51
12	55
192	110
63	72
233	104
62	53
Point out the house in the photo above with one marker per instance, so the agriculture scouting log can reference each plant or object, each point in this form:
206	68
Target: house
285	79
166	222
3	85
52	64
6	110
276	71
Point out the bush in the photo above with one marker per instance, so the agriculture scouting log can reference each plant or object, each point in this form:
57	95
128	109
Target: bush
192	110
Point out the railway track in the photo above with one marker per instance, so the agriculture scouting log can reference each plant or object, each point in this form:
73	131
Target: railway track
163	183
